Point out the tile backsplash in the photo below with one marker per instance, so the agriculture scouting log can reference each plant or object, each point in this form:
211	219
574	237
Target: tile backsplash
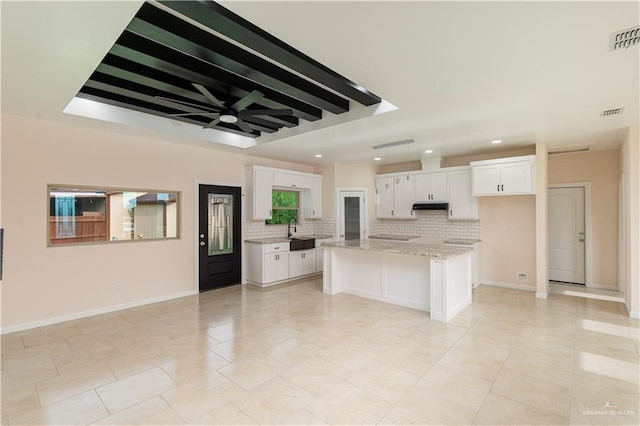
429	223
253	229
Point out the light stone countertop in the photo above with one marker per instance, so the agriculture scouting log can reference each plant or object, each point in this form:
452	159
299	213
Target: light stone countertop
412	249
276	240
393	237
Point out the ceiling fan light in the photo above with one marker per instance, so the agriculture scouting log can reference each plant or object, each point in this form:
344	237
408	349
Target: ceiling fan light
228	118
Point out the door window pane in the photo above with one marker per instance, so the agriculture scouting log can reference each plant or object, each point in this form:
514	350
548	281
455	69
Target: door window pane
220	224
351	218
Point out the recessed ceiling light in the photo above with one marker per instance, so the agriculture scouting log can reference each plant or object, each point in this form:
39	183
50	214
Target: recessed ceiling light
318	155
377	159
429	151
497	141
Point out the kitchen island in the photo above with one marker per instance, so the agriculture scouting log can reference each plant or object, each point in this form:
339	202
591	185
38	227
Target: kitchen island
429	277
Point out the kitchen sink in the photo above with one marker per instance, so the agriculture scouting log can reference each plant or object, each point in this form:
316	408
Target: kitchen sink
301	243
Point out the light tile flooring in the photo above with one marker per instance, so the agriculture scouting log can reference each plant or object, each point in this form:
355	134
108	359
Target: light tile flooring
291	355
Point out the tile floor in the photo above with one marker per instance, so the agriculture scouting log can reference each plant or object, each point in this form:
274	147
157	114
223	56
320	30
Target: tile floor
291	355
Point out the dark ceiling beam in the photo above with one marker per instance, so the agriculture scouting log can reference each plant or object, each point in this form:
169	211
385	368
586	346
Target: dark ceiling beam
112	80
147	52
178	34
239	29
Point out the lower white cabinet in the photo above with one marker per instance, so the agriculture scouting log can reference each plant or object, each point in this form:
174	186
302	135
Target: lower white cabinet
320	254
267	263
302	262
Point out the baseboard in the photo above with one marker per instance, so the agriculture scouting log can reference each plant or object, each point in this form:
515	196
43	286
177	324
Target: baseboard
541	295
508	285
92	312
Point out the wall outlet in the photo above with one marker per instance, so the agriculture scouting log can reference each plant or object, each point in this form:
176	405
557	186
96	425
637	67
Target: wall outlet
523	277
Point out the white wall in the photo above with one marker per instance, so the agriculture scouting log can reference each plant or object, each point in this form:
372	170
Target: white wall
42	283
630	168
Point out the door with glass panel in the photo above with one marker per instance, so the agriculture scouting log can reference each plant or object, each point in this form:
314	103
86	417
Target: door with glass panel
351	215
219	236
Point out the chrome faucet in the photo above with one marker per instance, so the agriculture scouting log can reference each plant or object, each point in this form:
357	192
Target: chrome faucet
295	222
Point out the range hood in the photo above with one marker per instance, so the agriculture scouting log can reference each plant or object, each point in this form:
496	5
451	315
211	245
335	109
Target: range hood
430	206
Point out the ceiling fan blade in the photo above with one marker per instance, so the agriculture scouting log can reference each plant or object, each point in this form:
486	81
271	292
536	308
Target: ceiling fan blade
207	94
204	114
246	101
212	124
244	126
184	103
250	112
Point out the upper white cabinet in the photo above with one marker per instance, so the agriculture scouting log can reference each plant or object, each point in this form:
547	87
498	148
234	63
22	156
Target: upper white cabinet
312	199
462	205
504	176
291	180
431	187
394	197
262	180
259	192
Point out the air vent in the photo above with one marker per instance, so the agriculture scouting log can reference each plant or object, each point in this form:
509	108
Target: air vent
569	149
398	143
612	111
624	39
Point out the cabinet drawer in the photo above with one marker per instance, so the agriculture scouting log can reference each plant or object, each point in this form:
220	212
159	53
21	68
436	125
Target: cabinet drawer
275	248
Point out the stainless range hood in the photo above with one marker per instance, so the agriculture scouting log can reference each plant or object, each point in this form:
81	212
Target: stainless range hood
430	206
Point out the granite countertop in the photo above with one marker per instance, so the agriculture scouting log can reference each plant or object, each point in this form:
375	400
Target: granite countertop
412	249
276	240
461	241
393	237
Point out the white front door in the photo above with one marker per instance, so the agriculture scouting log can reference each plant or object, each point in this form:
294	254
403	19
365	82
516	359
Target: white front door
351	215
566	235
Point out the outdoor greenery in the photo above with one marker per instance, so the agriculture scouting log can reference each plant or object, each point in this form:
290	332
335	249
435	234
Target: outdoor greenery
284	206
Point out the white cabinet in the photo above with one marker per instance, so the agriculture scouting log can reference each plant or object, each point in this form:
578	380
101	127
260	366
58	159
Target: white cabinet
431	187
505	176
320	254
291	180
302	262
312	199
462	205
259	192
394	197
267	263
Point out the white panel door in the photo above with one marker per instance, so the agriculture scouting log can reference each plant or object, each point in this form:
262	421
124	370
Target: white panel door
566	235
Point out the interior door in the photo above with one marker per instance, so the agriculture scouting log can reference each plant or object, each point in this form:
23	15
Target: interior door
566	235
220	248
351	215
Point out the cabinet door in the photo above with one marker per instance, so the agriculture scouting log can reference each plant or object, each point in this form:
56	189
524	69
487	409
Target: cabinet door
486	179
312	199
291	180
462	205
384	195
403	198
295	264
439	187
262	183
282	267
308	262
272	264
422	187
516	178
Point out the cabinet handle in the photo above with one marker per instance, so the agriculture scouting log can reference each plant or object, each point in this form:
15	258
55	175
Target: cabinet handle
498	188
391	212
450	212
411	212
502	188
293	186
314	212
276	248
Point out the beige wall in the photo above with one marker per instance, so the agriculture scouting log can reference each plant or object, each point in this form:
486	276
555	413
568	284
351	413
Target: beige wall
602	170
464	160
508	238
41	283
630	168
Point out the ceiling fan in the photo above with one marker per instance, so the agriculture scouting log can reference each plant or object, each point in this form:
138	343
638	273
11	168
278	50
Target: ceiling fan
233	114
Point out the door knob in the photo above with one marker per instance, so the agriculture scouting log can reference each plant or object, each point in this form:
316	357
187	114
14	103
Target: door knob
202	236
202	243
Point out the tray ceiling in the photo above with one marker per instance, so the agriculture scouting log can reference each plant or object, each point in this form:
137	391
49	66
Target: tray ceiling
199	63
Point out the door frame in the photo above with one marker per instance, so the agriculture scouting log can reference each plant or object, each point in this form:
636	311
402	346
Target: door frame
588	229
196	230
366	210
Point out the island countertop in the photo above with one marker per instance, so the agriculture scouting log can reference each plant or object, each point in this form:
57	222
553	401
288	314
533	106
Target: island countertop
408	248
276	240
